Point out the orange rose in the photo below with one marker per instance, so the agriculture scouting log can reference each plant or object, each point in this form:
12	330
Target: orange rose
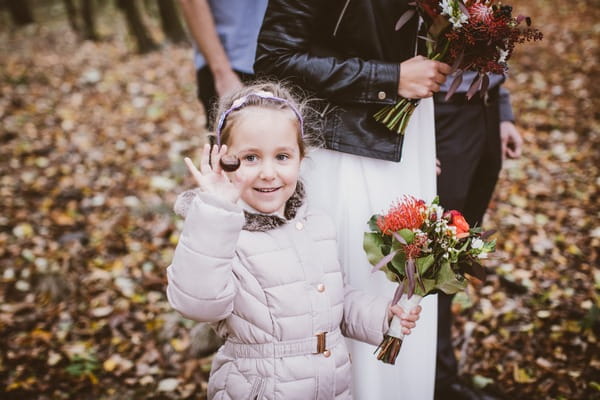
459	222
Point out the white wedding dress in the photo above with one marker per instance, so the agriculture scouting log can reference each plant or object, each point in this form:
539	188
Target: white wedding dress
352	188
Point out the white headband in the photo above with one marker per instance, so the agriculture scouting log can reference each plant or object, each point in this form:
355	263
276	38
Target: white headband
241	102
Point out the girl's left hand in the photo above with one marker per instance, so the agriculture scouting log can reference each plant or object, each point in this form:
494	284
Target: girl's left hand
408	321
212	178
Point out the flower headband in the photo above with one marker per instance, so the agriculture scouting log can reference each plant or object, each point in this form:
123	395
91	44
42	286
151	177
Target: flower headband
241	102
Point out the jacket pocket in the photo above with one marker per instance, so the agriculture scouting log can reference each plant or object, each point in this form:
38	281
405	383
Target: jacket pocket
258	389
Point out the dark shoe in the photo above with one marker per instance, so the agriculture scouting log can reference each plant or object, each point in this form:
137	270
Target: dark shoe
461	391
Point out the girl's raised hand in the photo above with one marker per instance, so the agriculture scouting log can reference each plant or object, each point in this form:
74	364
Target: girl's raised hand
212	178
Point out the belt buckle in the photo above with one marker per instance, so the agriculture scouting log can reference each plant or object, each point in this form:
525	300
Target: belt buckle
321	342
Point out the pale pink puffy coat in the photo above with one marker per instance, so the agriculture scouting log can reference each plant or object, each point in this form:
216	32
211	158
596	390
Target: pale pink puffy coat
271	292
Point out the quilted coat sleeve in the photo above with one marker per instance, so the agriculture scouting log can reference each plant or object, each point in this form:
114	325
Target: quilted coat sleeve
365	316
286	50
201	285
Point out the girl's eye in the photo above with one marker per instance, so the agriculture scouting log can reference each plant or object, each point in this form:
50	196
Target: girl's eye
250	157
282	157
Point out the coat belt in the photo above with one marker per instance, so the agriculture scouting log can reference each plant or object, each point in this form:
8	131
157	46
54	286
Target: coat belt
319	343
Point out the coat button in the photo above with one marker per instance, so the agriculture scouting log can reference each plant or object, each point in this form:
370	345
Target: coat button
299	225
321	287
381	95
326	353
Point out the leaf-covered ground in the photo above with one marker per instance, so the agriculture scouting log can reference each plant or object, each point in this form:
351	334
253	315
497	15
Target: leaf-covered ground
91	145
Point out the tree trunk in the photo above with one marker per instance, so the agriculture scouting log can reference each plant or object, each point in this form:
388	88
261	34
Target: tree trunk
72	15
136	27
170	22
20	12
89	22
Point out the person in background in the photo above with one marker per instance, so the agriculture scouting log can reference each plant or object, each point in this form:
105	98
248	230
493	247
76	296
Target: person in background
224	33
472	138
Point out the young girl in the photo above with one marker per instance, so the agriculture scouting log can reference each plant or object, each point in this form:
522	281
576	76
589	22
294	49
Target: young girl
257	261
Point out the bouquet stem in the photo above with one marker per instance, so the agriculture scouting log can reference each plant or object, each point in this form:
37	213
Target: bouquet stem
395	117
389	348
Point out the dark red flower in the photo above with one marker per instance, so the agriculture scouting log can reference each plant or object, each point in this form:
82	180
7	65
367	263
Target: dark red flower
413	250
430	8
487	41
480	13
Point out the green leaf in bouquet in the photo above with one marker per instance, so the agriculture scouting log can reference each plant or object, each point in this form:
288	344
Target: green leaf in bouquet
386	248
373	223
453	257
490	246
407	234
396	245
449	281
464	246
391	275
429	284
424	263
399	264
372	243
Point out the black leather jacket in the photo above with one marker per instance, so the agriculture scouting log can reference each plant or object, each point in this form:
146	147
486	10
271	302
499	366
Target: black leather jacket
346	52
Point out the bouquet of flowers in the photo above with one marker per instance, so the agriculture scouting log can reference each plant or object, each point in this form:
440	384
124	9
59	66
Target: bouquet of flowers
423	249
476	35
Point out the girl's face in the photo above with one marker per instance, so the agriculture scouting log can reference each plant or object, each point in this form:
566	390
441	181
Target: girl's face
266	142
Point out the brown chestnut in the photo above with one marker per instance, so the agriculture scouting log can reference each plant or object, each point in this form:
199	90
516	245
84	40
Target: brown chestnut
229	163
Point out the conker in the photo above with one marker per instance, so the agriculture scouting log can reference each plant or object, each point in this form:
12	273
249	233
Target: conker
229	163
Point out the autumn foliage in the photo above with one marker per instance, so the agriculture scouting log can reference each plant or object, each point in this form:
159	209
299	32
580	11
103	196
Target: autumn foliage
92	140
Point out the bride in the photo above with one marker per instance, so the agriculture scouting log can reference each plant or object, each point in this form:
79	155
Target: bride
352	55
352	188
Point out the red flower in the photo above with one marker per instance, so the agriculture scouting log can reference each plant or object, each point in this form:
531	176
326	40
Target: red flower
406	214
459	222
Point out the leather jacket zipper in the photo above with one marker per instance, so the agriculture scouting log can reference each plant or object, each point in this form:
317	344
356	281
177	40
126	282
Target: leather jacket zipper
339	21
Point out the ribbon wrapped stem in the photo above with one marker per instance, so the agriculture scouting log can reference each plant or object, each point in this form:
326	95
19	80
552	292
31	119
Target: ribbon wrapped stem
390	346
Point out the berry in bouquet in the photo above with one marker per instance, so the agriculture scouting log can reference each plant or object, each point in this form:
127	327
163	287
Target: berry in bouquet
470	35
424	249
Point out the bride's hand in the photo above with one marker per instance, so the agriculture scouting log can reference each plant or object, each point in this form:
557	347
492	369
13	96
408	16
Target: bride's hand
421	77
212	179
408	321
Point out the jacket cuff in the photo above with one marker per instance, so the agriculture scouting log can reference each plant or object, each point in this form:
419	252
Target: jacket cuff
383	83
382	305
506	111
386	320
365	316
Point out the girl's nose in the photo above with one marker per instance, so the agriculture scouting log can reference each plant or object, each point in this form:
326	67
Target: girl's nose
267	171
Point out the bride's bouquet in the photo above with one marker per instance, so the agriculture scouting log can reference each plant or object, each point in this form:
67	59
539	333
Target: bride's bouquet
475	35
424	250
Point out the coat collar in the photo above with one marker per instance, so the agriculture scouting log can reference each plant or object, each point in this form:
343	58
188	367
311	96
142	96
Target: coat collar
255	222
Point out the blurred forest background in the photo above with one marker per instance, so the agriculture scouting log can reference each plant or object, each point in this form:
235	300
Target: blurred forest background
97	110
